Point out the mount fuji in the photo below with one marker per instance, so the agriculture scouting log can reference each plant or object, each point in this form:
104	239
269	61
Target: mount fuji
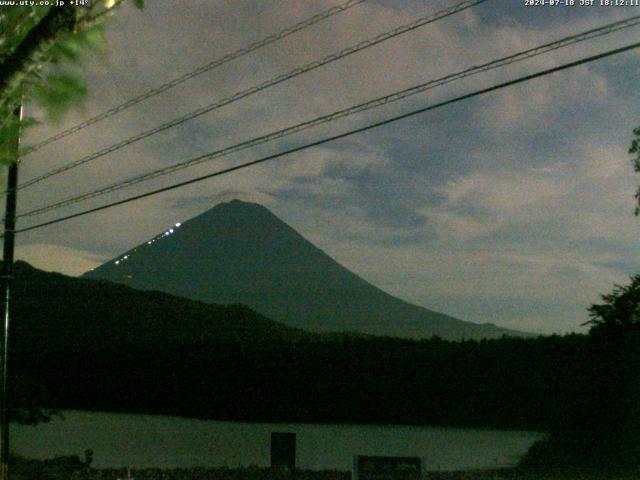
241	253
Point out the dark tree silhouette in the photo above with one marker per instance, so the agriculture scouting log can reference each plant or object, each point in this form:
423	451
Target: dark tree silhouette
620	310
603	432
635	150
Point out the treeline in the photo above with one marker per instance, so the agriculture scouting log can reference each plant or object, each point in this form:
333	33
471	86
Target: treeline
506	383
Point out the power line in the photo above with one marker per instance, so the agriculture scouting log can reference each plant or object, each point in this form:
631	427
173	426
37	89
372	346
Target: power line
262	86
198	71
377	102
341	135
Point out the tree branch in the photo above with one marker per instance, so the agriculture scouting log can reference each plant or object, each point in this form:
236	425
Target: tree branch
25	58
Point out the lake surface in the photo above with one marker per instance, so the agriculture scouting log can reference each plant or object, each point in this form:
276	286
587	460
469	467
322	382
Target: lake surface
138	441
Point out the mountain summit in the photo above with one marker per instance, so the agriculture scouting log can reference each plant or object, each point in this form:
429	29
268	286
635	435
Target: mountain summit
239	252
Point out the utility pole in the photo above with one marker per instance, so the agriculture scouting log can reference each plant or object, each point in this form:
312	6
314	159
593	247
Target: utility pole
7	277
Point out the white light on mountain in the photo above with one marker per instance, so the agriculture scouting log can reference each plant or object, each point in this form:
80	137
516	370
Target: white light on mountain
171	230
117	262
178	224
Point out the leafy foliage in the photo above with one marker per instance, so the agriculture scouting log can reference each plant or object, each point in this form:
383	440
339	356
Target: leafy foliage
604	431
9	129
620	309
59	92
28	398
16	23
42	66
635	150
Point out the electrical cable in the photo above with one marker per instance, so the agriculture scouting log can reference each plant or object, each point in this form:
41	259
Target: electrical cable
341	135
194	73
377	102
260	87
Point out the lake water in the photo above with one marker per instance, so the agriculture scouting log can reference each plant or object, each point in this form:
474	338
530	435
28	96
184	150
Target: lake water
139	441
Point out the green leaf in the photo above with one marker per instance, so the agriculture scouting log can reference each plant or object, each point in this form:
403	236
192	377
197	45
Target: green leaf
51	81
9	140
68	48
29	122
93	38
59	93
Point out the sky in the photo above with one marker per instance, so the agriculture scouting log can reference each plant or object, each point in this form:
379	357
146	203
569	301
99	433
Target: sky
514	208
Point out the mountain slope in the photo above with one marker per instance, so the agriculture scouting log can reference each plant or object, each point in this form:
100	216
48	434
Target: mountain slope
53	312
240	252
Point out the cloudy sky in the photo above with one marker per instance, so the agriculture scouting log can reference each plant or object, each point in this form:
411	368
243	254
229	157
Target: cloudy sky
514	208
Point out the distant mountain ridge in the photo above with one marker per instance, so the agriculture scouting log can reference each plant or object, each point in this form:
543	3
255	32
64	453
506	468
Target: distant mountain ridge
239	252
54	312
